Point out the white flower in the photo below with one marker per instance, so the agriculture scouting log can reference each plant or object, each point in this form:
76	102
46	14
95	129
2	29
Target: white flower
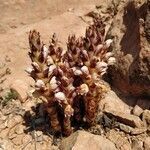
53	83
68	111
71	87
49	60
39	84
85	53
35	65
101	65
108	42
85	69
98	48
111	61
83	89
60	96
103	71
76	71
108	55
53	80
45	52
73	68
51	69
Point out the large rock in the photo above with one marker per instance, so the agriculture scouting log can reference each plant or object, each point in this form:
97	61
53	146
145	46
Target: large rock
82	140
111	100
147	21
124	118
131	75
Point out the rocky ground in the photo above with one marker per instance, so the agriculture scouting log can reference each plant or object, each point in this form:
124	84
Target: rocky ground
123	121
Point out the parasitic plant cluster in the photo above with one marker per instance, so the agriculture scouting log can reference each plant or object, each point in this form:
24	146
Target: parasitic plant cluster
71	80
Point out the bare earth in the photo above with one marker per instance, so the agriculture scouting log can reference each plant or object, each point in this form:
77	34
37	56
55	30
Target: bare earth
62	17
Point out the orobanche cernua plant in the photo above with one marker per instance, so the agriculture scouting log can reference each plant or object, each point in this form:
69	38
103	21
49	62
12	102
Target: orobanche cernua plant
71	80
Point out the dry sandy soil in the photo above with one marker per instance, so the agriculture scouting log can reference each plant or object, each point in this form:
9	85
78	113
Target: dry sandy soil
18	17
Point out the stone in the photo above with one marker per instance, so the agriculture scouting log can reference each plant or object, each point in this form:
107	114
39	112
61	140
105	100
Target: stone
146	116
82	140
147	22
18	140
3	118
12	135
137	145
131	74
39	136
144	103
27	138
124	118
120	140
53	147
2	126
14	121
4	133
125	128
137	131
111	100
19	129
147	143
28	146
21	88
5	144
137	110
39	133
27	106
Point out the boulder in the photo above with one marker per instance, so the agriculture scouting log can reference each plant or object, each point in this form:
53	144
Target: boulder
147	22
82	140
111	100
131	74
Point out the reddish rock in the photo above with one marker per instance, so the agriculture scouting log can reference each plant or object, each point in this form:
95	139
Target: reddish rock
21	88
147	21
82	140
131	75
